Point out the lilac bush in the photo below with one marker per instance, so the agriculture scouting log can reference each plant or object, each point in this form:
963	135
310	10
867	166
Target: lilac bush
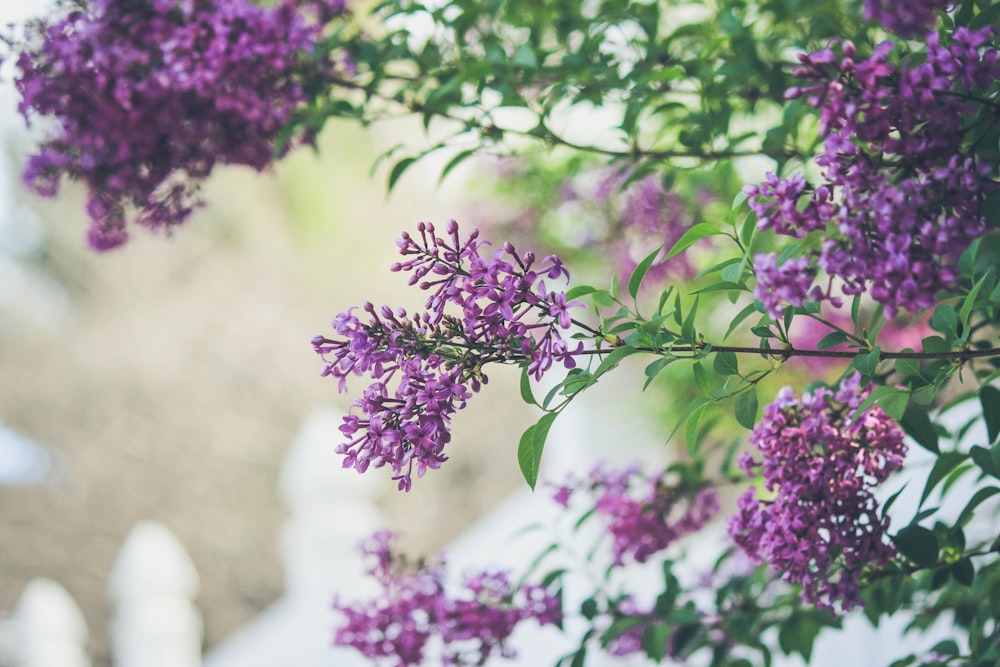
815	519
898	212
141	100
425	366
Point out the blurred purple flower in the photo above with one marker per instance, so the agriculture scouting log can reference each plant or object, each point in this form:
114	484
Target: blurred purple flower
393	628
148	96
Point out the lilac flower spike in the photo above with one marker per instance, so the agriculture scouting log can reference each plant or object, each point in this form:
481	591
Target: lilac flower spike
900	195
818	522
148	96
424	367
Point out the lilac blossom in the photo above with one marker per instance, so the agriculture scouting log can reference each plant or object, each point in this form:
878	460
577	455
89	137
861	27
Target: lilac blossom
425	366
394	628
644	513
785	284
817	521
906	19
644	214
900	195
147	97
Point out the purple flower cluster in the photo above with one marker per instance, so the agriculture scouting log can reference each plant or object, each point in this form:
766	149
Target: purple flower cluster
901	195
645	514
906	19
643	215
149	95
503	313
394	628
817	521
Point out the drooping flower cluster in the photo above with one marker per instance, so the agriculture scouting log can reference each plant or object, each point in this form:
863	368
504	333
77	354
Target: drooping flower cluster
645	513
906	19
394	628
147	96
901	194
424	367
817	521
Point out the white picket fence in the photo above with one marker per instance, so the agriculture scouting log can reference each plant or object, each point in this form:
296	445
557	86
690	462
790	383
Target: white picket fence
153	583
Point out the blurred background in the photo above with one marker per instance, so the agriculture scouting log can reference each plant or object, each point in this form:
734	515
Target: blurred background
166	380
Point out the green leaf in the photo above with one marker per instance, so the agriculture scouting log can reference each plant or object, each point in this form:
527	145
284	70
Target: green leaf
726	363
529	449
740	317
963	572
867	362
746	408
692	236
733	273
701	378
918	544
692	434
654	640
892	401
748	229
526	394
398	169
945	320
454	162
944	465
798	634
980	496
635	281
983	458
832	339
524	56
654	369
696	404
687	329
970	300
613	359
578	291
989	396
917	424
934	344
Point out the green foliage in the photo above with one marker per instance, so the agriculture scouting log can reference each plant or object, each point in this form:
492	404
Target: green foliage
684	95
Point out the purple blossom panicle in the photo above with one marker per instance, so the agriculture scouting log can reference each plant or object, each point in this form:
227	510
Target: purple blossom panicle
394	628
644	215
818	522
424	367
148	96
645	513
900	196
906	19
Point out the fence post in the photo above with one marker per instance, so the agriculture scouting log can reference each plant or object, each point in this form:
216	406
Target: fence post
331	510
49	629
152	584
